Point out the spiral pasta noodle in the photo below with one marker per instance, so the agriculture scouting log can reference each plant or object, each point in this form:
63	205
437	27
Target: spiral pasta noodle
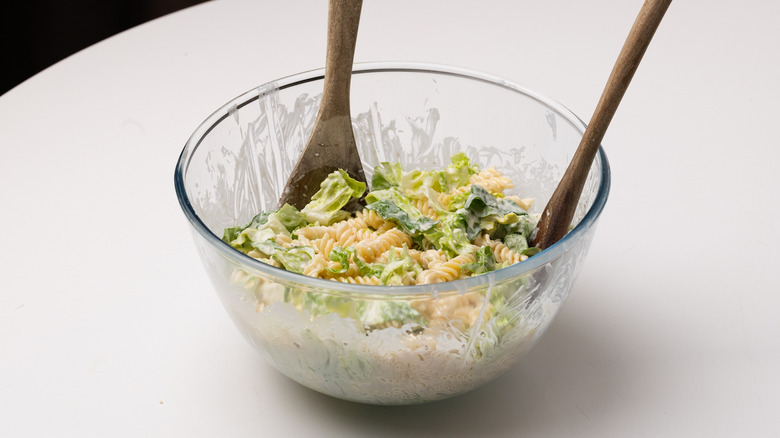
501	252
369	250
446	271
358	280
424	205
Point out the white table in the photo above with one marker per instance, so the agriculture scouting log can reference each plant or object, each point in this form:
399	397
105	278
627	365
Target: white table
109	327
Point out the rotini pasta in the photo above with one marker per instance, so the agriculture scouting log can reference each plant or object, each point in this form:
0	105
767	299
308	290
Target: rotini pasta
446	271
358	280
426	209
370	218
501	252
432	257
370	249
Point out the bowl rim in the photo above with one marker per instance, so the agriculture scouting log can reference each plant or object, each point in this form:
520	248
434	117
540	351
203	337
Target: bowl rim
514	271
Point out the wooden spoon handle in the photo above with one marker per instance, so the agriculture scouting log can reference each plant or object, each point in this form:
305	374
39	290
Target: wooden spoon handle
343	21
558	213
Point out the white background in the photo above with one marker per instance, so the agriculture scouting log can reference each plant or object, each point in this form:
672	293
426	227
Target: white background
109	327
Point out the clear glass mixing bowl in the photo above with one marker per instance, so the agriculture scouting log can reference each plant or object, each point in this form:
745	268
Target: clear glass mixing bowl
324	334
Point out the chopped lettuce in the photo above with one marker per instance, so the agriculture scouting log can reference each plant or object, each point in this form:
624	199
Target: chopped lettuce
498	217
283	221
289	217
293	259
395	207
485	262
450	235
386	175
260	235
260	232
391	175
456	174
399	268
335	192
345	255
369	269
232	234
518	242
341	255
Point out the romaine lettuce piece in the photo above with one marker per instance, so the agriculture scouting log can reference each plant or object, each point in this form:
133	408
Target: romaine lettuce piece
485	262
289	217
283	221
495	216
518	242
341	255
416	180
233	233
368	269
450	235
395	207
399	267
335	192
293	259
386	175
456	174
389	175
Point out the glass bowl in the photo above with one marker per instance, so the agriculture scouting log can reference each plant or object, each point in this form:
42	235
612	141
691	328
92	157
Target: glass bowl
335	337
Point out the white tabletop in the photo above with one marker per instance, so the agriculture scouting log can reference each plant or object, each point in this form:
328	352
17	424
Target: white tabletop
109	326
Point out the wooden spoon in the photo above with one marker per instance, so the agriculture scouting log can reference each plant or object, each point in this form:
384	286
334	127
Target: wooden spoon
331	145
558	213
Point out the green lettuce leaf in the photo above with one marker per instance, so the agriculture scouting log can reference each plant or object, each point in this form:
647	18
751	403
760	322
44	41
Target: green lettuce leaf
395	207
233	233
485	262
398	267
517	242
283	221
457	173
386	175
532	251
369	269
293	259
495	216
412	182
335	192
289	217
341	255
449	235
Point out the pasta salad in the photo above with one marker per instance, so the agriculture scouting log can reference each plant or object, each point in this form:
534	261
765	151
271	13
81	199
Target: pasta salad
417	227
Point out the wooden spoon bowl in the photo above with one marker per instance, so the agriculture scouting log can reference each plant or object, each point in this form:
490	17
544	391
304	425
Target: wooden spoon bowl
331	145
